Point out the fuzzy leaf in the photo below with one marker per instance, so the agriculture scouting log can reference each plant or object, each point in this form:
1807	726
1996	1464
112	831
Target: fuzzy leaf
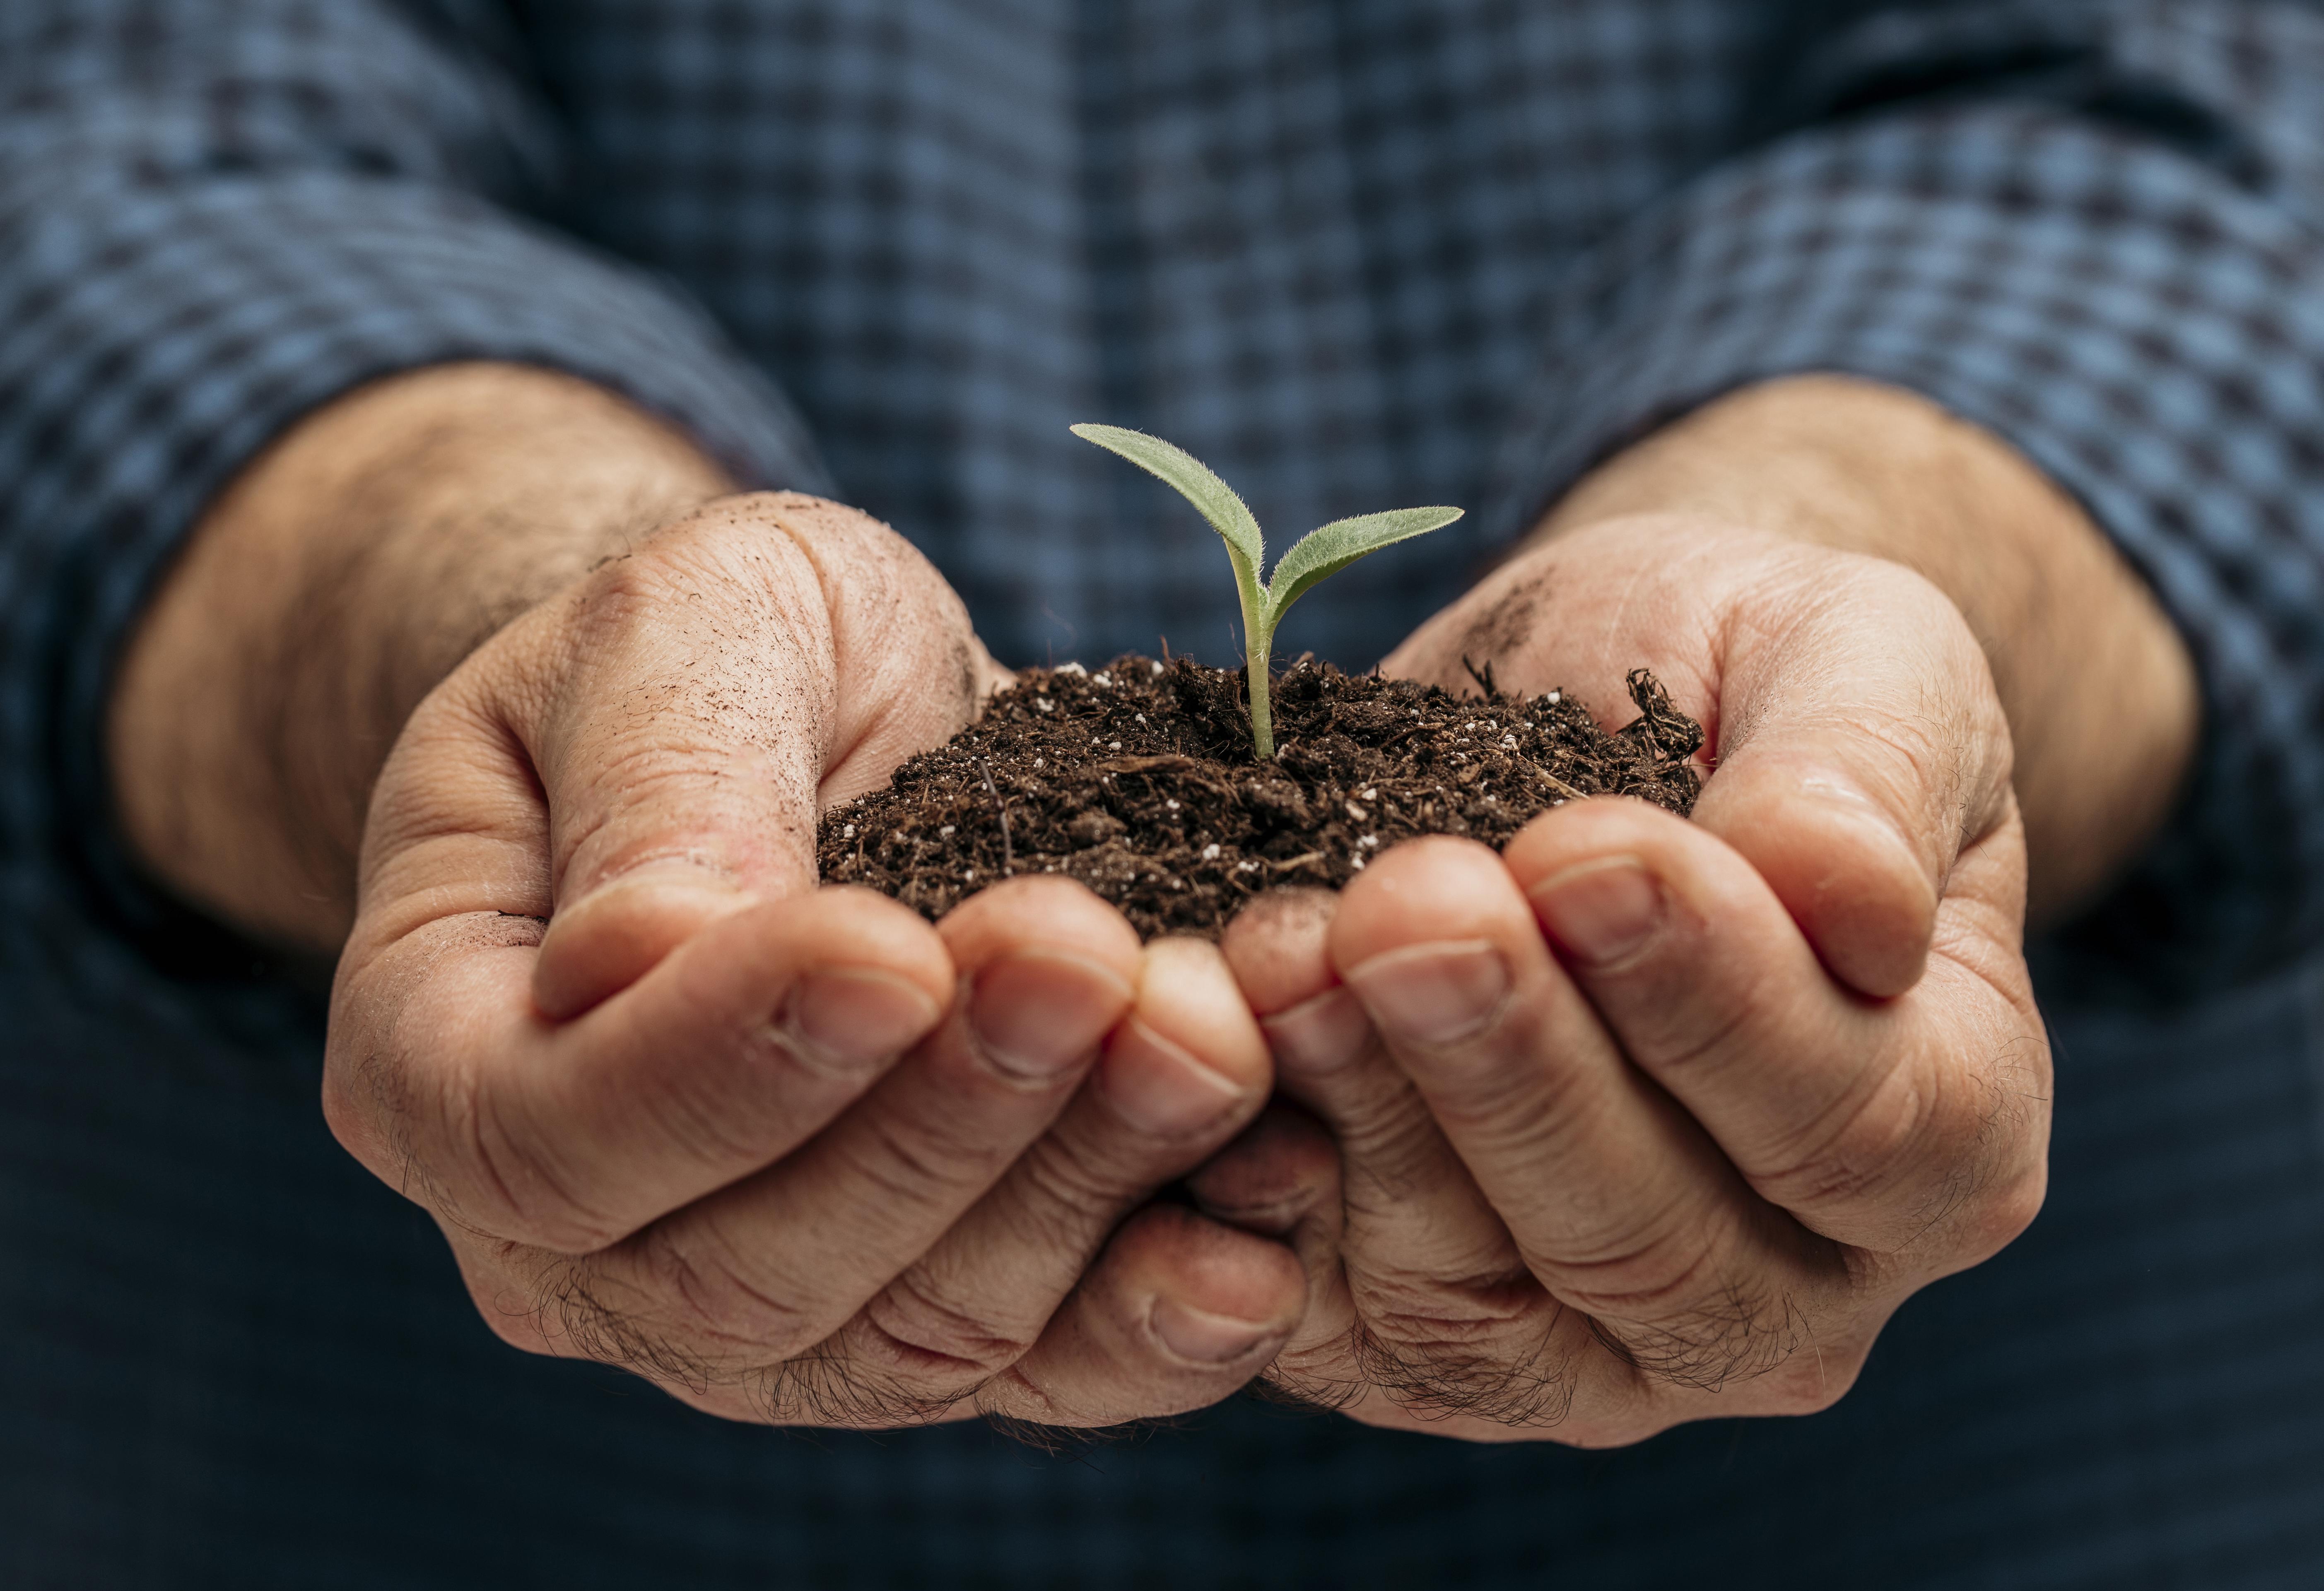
1325	552
1227	512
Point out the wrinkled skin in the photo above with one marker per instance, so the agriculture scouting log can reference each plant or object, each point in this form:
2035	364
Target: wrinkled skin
790	1152
1646	1121
1637	1122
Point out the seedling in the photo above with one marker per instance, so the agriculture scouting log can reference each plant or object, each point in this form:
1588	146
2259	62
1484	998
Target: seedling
1313	558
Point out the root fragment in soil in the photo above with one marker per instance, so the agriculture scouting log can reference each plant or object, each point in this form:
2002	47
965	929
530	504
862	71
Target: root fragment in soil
1138	780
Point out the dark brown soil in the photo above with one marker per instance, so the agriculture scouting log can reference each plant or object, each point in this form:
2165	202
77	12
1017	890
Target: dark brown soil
1139	780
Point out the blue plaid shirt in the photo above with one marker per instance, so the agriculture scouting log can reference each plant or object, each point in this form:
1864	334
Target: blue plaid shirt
1351	252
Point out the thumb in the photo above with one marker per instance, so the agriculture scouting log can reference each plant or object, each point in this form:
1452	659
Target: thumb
1861	746
681	707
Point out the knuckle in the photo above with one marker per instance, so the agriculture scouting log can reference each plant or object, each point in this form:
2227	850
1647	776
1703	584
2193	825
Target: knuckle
1481	1089
613	598
711	1127
1529	1389
1392	1155
1914	764
1939	1143
1809	1377
678	755
1427	1309
628	596
1701	1025
723	1111
1517	1097
511	1313
853	553
369	1107
1490	1350
916	1333
1677	1309
1063	1200
1723	1333
1650	1262
1912	748
2003	1213
579	1309
1638	1420
1478	1067
1660	1277
1024	1407
916	1159
1986	1172
514	1189
705	1294
1327	1375
1864	1146
1066	1173
826	1386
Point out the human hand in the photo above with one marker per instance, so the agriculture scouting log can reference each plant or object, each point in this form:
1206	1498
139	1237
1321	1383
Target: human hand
1646	1121
790	1153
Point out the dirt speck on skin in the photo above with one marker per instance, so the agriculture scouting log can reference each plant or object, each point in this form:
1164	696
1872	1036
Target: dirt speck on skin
1138	780
1500	628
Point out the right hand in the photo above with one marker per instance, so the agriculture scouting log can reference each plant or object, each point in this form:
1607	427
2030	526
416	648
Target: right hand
788	1151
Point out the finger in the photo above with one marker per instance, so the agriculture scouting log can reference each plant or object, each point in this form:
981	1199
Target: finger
770	1267
1280	1179
680	714
1860	746
1452	1320
676	720
1408	1195
572	1136
1178	1313
1620	1204
1881	1124
1181	1075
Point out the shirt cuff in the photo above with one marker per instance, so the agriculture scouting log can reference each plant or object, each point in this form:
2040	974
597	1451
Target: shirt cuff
2143	328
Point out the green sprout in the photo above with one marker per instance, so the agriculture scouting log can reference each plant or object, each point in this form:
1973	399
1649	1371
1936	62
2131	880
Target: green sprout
1316	556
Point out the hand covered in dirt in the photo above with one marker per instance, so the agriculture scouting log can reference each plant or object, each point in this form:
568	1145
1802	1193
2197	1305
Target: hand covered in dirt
1646	1121
791	1153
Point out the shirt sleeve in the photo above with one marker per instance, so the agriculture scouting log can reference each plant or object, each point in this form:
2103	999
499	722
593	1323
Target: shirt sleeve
2094	230
216	215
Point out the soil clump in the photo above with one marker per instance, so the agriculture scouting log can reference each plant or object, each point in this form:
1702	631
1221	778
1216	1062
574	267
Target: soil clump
1138	780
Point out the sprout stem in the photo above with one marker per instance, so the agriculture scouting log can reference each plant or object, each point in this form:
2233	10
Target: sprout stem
1319	554
1262	715
1258	652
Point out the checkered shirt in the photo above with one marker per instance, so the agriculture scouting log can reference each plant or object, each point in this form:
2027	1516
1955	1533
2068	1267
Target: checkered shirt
1351	252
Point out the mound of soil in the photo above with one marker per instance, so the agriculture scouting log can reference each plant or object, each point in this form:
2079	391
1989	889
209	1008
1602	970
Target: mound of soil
1139	780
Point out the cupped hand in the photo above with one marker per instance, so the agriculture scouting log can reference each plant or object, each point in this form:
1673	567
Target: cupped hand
791	1153
1645	1121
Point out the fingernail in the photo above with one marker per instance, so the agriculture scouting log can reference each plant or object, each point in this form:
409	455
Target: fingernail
1318	1036
847	1019
1601	911
1204	1337
1158	1086
1038	1012
1434	994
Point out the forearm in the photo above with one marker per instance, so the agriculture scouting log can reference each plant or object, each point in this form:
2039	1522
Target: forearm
346	573
2098	688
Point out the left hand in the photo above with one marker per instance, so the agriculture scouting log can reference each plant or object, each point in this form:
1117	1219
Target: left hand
1645	1121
